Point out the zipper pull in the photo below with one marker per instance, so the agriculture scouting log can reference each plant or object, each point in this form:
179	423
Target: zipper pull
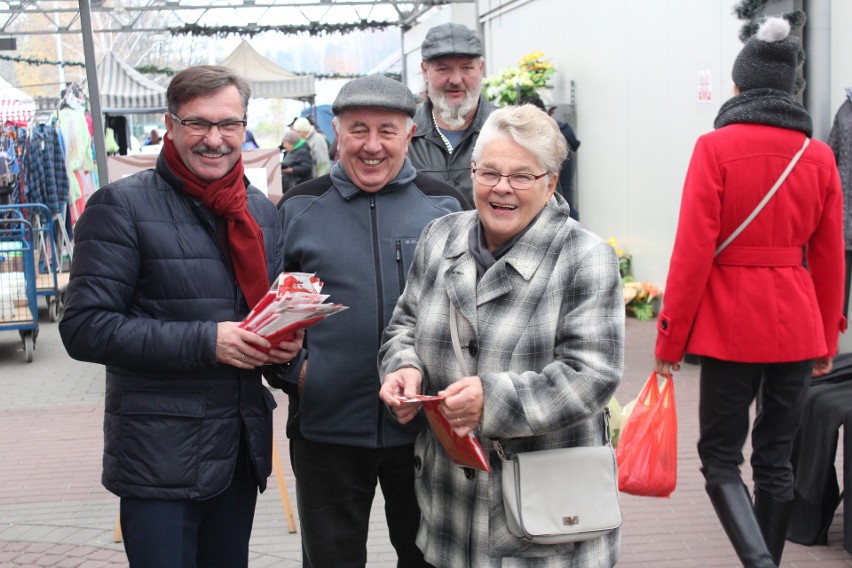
398	252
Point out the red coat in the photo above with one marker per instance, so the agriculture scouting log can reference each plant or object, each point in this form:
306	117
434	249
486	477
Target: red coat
756	302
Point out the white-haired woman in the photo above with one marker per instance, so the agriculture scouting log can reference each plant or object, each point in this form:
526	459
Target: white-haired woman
540	312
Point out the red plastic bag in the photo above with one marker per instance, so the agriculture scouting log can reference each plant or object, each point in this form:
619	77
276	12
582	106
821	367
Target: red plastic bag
647	448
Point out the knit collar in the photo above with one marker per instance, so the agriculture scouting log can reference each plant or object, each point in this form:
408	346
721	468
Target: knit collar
765	106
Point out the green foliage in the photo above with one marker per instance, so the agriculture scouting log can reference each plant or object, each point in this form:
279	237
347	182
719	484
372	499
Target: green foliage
532	74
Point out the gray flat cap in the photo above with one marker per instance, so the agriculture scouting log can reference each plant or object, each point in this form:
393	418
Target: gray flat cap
375	91
450	39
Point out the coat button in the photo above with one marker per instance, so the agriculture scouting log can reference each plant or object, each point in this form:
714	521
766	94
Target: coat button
473	348
469	472
664	325
417	463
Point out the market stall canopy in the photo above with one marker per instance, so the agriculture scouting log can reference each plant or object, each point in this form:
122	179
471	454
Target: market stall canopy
15	105
124	90
267	78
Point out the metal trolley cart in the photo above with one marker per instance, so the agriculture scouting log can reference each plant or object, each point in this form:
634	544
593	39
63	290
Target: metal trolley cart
18	304
50	272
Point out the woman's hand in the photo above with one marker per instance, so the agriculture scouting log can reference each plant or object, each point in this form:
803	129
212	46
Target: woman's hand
402	382
463	404
822	366
665	367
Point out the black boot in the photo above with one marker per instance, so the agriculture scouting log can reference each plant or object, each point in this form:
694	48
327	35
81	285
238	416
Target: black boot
773	516
734	509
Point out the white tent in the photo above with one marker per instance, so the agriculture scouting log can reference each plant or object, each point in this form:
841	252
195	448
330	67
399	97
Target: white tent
266	78
15	105
125	90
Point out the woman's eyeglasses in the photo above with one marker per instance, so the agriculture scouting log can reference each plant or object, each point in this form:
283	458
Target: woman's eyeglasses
490	178
200	126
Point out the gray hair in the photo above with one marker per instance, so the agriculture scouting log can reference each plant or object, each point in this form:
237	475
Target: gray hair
529	127
203	81
290	137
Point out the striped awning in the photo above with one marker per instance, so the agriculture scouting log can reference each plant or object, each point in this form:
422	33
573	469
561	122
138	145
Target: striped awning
125	90
15	105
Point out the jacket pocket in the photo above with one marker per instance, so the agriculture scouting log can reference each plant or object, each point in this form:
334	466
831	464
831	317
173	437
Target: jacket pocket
404	252
160	437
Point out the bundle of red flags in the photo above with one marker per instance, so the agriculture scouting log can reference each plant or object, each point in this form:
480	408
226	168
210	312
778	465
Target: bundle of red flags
293	302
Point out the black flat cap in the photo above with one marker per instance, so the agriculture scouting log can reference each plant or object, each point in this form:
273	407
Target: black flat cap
375	91
450	39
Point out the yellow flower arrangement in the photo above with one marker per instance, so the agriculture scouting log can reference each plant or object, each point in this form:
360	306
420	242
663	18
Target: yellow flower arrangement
638	296
529	77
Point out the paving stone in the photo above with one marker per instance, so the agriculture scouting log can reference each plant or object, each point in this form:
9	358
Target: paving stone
56	513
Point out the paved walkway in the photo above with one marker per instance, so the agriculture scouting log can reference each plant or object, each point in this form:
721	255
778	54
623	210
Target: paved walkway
54	512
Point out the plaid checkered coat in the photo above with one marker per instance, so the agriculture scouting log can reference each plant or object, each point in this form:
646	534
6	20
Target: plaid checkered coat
548	321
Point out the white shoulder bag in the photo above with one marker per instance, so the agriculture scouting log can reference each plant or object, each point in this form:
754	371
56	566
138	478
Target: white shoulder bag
560	495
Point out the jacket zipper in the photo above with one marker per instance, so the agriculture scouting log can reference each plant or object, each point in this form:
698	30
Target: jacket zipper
377	265
400	266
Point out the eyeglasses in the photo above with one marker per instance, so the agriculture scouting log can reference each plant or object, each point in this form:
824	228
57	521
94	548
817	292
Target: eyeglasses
490	178
200	126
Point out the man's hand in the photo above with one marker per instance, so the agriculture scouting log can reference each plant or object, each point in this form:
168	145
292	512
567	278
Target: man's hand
463	404
286	351
237	347
402	382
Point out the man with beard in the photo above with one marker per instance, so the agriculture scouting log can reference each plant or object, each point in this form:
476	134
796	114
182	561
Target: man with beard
448	122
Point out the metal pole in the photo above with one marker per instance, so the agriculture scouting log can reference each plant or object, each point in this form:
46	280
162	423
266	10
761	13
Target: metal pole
818	66
94	91
60	56
404	65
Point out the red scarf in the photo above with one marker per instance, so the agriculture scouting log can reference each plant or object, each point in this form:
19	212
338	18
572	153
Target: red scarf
226	197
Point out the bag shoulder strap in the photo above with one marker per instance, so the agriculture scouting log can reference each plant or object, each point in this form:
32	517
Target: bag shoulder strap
766	198
454	336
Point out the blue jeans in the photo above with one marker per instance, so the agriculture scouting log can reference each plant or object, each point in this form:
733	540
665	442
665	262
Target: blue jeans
209	533
335	487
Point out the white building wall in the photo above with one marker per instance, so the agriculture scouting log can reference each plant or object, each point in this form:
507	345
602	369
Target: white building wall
635	67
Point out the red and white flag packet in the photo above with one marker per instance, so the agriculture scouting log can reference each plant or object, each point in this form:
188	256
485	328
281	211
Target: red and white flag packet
464	451
293	302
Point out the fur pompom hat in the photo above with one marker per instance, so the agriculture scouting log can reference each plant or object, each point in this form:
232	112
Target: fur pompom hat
769	58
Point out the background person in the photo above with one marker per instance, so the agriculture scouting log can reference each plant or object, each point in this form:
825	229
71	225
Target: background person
840	140
249	143
540	312
153	138
450	118
166	262
356	228
765	314
566	173
297	165
319	147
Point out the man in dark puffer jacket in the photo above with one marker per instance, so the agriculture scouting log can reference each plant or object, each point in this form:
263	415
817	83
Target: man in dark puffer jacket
167	261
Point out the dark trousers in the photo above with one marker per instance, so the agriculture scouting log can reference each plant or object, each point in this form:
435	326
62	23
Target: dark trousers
335	487
727	391
211	533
